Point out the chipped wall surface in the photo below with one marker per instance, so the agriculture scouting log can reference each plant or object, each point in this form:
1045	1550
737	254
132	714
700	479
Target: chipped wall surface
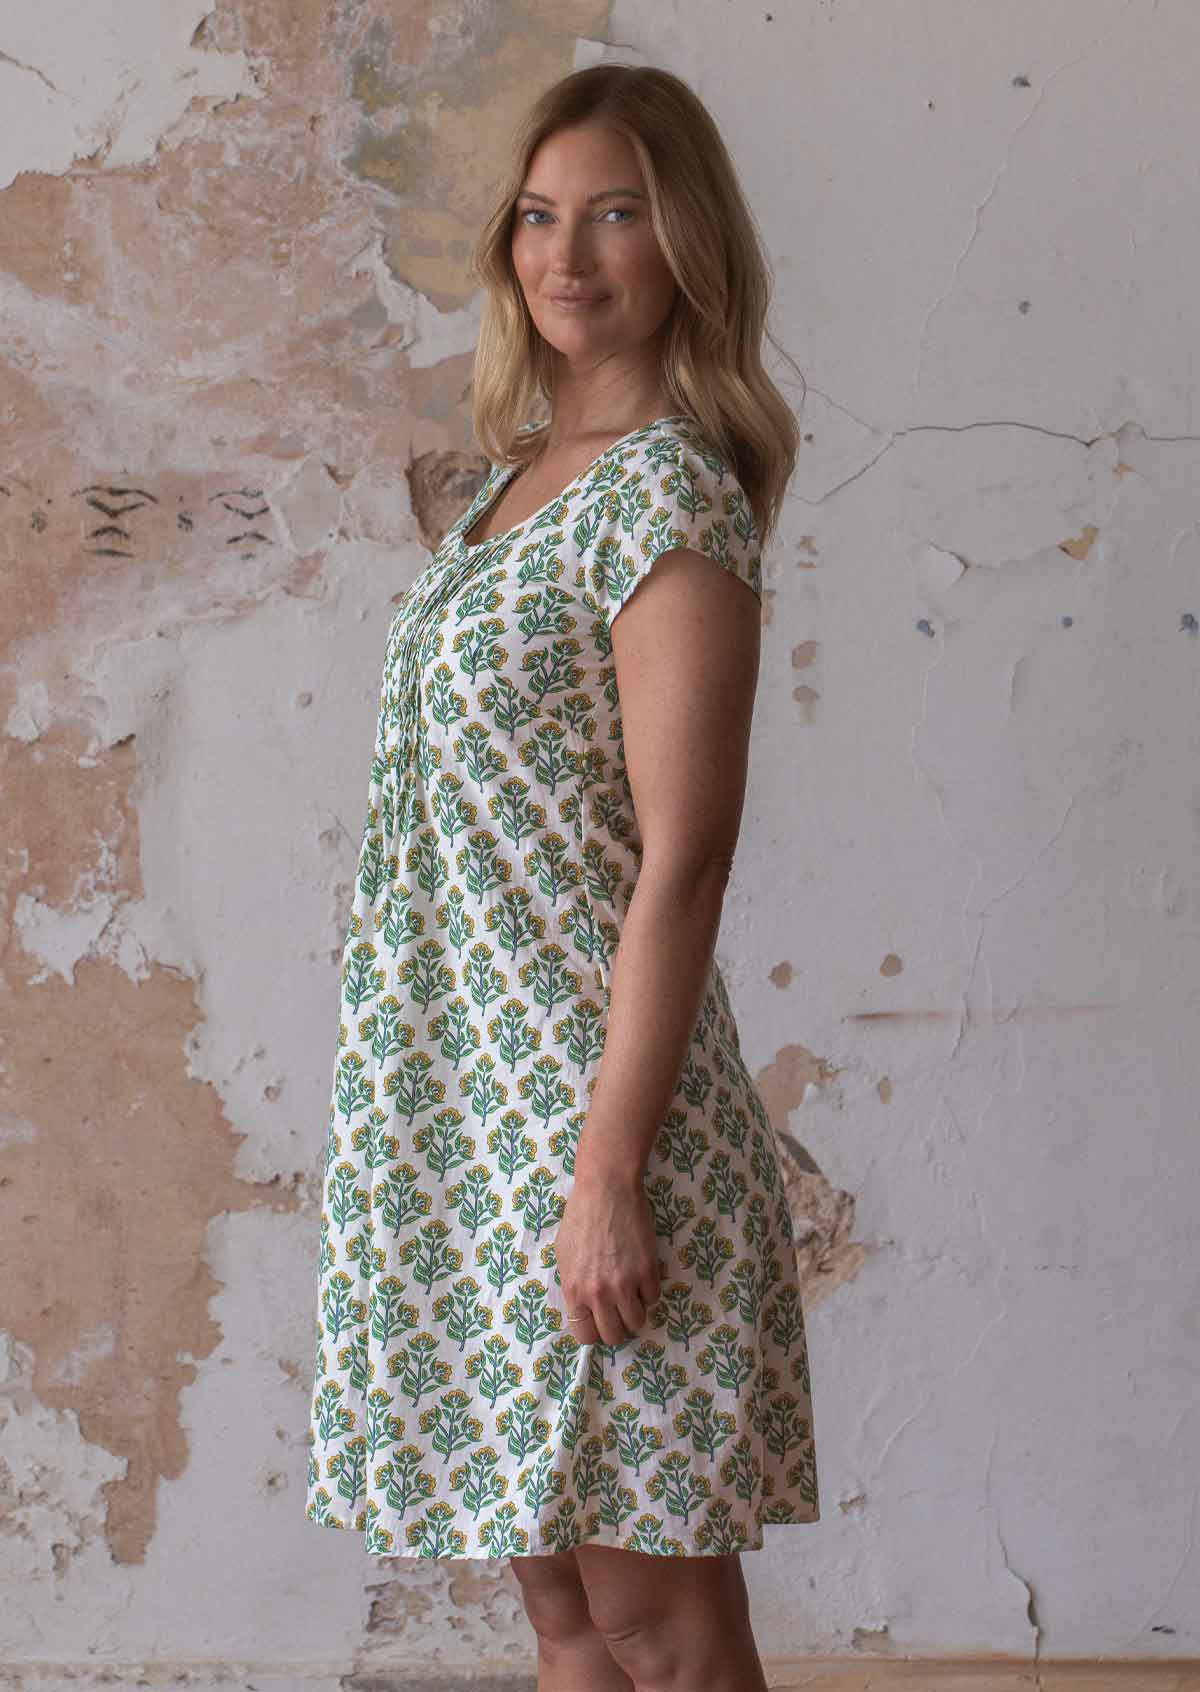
235	351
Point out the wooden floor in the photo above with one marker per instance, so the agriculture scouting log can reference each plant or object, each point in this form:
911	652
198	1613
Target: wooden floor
865	1674
974	1675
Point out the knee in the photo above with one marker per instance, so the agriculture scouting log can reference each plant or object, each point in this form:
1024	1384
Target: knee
554	1599
640	1638
664	1624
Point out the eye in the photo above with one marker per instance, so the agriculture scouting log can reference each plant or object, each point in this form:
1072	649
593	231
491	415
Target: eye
540	211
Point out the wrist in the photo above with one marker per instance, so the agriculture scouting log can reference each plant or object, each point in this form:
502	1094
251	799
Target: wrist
604	1173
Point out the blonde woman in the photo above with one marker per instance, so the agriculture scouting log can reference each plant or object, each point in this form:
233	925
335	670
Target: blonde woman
559	1318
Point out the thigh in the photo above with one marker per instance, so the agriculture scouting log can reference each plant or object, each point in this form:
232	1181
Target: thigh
632	1591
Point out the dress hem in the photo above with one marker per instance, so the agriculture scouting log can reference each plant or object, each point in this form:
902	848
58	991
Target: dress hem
605	1537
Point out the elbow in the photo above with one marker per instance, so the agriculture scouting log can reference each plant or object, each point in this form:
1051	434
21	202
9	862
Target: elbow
697	870
719	865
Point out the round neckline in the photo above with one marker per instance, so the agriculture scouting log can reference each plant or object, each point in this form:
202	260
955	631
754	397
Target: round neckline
508	471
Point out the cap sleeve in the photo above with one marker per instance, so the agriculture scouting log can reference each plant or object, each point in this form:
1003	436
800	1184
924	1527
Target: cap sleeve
675	493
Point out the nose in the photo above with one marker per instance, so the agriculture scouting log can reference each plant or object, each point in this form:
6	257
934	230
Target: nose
569	251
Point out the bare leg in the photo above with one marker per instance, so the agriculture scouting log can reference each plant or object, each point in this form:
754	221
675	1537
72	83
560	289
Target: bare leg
674	1624
572	1657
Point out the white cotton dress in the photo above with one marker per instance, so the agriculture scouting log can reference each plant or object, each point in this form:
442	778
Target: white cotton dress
453	1413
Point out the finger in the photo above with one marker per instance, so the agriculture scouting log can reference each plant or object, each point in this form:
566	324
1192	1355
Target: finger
632	1312
582	1327
610	1322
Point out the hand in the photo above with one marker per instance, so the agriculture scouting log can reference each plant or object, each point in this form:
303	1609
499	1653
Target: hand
606	1256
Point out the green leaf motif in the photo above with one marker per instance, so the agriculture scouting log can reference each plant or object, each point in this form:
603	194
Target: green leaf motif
453	1412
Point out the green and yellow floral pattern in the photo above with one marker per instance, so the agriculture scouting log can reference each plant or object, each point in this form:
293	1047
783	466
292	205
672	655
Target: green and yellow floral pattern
453	1415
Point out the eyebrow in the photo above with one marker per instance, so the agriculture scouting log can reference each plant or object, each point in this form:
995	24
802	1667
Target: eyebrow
604	194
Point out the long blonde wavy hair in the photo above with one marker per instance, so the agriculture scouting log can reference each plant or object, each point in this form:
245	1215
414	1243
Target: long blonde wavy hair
713	370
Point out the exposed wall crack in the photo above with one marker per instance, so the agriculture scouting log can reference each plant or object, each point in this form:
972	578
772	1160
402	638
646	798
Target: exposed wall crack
1058	71
7	58
1086	441
1031	1612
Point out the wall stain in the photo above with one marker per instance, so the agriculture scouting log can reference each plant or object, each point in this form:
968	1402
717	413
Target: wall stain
1082	544
823	1214
109	1201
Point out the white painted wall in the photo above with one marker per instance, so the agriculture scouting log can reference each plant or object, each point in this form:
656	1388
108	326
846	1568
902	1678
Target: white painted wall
990	290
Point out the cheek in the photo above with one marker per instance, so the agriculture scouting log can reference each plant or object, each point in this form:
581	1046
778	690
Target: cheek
646	262
651	277
522	256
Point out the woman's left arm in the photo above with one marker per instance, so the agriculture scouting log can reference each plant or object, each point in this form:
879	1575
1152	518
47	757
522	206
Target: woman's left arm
686	650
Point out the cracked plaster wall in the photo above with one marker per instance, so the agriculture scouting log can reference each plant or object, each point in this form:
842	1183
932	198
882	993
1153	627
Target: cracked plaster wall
236	340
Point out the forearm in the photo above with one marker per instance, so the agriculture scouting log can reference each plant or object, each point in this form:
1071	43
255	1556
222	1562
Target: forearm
660	969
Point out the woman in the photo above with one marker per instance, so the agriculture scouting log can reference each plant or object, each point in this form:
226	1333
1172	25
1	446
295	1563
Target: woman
559	1318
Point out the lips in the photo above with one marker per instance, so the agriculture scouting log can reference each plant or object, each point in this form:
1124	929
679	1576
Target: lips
579	299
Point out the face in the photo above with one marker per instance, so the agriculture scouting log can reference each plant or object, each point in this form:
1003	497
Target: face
581	227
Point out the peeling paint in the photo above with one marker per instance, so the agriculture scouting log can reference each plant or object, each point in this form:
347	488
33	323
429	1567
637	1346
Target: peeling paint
108	94
134	1199
1082	544
823	1215
238	325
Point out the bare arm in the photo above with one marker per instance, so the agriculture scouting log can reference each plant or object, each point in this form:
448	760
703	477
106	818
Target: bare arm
686	648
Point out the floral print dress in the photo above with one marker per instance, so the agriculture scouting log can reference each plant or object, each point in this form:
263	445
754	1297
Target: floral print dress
453	1414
